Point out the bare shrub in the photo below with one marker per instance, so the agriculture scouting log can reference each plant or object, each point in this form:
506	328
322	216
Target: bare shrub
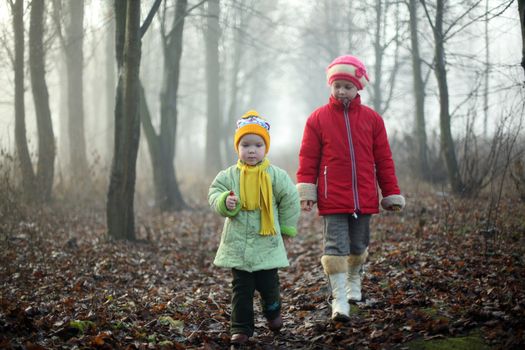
484	160
405	154
517	173
12	209
86	192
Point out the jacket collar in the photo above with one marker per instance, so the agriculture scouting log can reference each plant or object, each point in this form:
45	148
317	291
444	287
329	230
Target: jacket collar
335	103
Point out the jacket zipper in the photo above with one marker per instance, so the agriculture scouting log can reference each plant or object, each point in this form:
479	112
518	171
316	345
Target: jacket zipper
325	181
352	159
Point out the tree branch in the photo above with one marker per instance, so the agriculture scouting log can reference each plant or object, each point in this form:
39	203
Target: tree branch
446	35
144	27
456	21
427	14
7	49
184	15
57	12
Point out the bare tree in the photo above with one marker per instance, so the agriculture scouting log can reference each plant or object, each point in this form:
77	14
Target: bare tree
213	33
72	39
247	30
446	140
162	145
128	34
458	179
521	9
382	42
75	73
24	159
239	19
63	150
120	212
46	140
420	132
109	70
487	71
329	31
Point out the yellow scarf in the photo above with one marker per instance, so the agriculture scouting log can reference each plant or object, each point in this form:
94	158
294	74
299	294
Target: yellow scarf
256	193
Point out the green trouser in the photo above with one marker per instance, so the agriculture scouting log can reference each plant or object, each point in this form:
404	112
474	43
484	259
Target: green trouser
244	285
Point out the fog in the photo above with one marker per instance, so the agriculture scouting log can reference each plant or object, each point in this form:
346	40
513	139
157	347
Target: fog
284	48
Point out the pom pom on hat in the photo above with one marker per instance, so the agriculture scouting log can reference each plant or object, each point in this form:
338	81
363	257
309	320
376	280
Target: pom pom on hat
252	123
347	68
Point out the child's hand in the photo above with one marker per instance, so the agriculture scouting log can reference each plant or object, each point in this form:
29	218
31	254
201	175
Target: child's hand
286	240
394	202
231	201
307	205
395	207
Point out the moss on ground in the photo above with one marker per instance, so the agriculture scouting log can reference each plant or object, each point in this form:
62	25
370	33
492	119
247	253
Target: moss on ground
473	341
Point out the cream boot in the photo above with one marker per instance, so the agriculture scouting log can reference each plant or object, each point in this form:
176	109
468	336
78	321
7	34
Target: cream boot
353	288
336	267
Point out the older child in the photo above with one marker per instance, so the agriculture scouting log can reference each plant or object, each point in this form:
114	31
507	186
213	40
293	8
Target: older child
260	203
344	155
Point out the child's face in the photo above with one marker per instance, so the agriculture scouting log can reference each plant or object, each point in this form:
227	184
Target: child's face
252	149
343	90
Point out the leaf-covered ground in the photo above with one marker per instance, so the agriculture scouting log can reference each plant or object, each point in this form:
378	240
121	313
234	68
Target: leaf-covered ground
431	275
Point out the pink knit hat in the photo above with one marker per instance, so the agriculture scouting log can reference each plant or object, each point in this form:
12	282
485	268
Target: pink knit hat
347	68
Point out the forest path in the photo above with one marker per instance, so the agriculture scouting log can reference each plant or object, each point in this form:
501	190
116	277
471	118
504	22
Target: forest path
430	276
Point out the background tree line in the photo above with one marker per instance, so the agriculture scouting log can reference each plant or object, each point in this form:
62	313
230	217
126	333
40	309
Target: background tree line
157	85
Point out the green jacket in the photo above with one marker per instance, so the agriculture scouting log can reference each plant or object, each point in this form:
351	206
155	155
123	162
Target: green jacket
241	246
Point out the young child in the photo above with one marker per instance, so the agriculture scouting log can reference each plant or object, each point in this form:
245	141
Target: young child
344	152
260	203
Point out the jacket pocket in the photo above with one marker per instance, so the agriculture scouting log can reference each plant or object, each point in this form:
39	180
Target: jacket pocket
335	190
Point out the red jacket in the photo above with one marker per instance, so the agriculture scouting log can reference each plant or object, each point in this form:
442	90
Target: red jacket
345	151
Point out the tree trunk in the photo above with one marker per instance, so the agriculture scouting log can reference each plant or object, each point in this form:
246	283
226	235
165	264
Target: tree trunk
420	133
233	113
154	146
383	38
213	32
447	142
330	12
24	159
120	213
63	116
521	9
75	72
487	72
110	82
46	140
168	194
163	171
378	65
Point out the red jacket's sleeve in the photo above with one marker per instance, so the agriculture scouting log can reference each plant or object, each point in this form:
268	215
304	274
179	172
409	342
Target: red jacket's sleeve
385	168
310	152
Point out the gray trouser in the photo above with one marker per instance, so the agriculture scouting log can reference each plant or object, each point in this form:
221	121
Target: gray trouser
345	235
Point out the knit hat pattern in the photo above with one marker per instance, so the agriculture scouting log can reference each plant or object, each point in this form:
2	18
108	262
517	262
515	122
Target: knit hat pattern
350	68
252	123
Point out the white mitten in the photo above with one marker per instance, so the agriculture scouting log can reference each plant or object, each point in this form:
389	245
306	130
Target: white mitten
394	202
307	191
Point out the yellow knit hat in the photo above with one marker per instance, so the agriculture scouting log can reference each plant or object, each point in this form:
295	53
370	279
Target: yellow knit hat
252	123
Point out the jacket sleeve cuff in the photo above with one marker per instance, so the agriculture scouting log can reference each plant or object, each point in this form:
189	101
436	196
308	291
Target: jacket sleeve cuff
289	231
393	200
307	191
221	206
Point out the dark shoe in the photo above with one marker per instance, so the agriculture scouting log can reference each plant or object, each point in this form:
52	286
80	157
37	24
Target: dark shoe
239	339
276	324
339	317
